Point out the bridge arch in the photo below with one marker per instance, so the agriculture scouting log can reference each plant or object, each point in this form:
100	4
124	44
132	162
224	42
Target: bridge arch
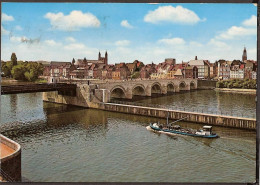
170	87
192	85
138	90
118	92
156	88
182	86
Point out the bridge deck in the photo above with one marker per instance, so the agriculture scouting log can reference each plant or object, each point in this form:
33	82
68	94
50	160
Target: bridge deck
29	88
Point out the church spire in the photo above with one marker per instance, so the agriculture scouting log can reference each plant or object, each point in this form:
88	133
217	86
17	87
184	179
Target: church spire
244	56
99	55
106	59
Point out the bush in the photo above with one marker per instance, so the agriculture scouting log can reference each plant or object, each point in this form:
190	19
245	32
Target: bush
237	83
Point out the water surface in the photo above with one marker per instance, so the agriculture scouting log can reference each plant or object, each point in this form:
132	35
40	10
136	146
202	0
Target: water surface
69	144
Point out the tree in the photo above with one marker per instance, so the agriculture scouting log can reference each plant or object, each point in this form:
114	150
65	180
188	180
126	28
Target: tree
14	59
18	72
135	75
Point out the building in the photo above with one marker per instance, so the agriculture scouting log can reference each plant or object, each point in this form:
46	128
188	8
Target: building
202	66
224	69
79	73
178	74
121	72
86	62
165	66
213	68
147	70
188	71
132	67
250	67
237	72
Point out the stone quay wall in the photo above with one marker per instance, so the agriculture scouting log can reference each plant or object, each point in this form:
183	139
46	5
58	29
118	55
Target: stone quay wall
11	164
207	84
210	119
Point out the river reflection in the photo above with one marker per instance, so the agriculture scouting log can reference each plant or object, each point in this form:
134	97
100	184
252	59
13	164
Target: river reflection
70	144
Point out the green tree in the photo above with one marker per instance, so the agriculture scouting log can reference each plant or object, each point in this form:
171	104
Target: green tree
7	69
135	75
18	72
14	59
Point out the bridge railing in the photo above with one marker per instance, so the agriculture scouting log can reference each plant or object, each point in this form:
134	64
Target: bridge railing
201	109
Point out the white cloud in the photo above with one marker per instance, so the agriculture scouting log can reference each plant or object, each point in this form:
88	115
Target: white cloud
70	39
126	24
75	46
250	22
122	43
172	41
195	44
217	43
19	28
6	17
52	43
4	31
172	14
72	22
236	32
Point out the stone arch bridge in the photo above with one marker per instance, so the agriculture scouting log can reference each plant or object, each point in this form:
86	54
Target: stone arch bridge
129	88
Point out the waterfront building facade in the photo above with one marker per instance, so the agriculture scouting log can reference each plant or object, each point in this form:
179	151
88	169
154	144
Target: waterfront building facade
202	66
224	69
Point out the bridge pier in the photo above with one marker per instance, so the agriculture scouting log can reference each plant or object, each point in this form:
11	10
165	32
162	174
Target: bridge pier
164	89
129	94
176	89
148	91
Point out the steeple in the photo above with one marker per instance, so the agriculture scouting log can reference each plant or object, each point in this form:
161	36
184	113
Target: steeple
99	55
106	59
244	56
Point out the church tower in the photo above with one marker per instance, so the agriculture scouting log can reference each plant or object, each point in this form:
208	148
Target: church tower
99	56
106	59
244	56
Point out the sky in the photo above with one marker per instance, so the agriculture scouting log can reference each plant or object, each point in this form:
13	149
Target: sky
128	31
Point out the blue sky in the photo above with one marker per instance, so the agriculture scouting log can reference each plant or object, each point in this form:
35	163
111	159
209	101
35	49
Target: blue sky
147	32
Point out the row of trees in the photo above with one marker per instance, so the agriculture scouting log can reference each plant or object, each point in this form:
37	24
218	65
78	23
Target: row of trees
237	83
19	70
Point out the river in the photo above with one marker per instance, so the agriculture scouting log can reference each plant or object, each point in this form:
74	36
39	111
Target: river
63	143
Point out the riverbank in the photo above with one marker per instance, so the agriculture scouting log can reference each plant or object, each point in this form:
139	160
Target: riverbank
11	81
235	90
